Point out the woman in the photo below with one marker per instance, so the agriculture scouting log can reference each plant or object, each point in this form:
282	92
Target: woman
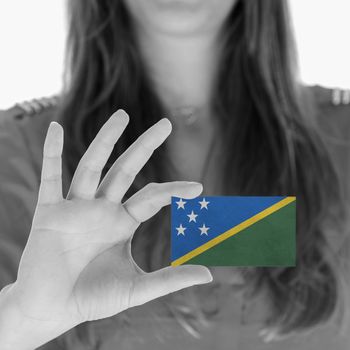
223	72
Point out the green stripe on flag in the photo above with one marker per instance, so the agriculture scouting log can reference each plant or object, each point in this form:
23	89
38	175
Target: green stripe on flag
268	242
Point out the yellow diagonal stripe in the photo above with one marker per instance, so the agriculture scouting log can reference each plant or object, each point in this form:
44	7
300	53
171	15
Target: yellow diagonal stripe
232	231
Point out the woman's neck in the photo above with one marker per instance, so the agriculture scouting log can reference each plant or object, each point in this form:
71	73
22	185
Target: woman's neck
182	68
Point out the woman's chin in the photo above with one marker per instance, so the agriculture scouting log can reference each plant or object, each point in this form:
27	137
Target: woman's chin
184	17
180	20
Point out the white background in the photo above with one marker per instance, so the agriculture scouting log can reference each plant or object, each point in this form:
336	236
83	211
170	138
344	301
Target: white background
32	35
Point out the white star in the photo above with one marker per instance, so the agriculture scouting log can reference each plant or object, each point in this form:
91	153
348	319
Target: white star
192	216
180	204
204	203
204	230
181	230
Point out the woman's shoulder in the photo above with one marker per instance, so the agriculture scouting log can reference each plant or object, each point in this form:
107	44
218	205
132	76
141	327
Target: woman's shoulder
331	97
22	133
34	112
23	126
332	110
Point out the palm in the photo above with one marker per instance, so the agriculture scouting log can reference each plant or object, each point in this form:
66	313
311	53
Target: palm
105	286
90	256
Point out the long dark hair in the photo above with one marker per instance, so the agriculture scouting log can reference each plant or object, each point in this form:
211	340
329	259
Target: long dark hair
271	145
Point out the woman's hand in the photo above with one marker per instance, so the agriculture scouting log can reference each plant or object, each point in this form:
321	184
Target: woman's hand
77	264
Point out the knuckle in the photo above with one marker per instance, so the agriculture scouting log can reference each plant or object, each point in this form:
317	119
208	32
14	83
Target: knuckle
103	142
52	178
153	207
125	173
147	147
166	274
151	186
146	143
50	156
90	167
131	295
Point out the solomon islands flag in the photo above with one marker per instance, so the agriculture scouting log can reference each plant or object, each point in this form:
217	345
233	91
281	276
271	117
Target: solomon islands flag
233	231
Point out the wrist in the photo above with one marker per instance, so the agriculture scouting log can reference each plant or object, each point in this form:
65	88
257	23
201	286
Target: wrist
12	327
20	331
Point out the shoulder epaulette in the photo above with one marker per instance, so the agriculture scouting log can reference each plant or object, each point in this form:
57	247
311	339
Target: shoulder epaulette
340	96
331	96
35	106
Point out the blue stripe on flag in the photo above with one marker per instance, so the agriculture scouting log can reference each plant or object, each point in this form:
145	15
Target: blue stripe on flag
223	213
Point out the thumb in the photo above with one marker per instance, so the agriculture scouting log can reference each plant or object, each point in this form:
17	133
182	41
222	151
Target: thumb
167	280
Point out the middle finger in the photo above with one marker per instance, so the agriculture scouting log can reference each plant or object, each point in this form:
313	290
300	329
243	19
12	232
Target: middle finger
123	172
88	172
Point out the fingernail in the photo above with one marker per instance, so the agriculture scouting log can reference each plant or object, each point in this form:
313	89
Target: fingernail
209	279
200	273
55	128
209	276
165	122
54	124
196	185
120	114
